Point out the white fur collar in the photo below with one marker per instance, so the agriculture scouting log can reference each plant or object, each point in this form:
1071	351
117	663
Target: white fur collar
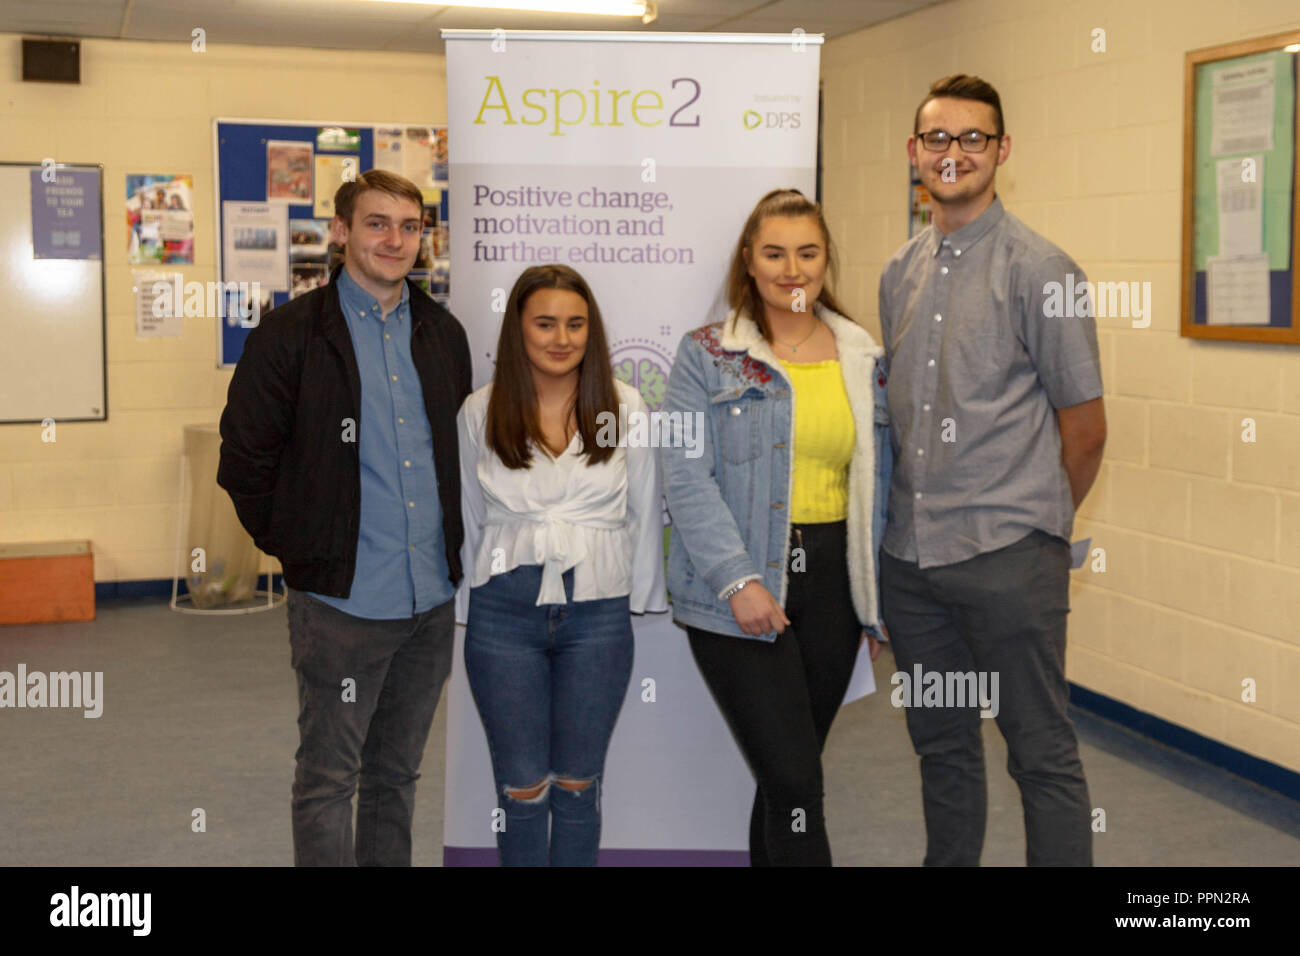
740	334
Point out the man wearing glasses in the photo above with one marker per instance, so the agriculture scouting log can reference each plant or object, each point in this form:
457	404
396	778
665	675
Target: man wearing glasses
997	429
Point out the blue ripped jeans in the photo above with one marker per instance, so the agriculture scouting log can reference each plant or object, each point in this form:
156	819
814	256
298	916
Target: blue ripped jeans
548	682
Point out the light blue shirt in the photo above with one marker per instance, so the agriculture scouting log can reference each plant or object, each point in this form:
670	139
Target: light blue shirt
401	567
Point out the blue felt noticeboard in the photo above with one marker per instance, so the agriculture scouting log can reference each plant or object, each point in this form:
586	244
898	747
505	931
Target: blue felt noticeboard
240	155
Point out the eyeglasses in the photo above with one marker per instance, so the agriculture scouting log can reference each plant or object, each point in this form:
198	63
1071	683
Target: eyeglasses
971	141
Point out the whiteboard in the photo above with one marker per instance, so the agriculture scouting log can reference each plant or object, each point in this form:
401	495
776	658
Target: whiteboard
52	328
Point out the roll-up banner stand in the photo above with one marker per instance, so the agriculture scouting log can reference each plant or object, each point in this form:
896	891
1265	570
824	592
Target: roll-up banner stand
634	158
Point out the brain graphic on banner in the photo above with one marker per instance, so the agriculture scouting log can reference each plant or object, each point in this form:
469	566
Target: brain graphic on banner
645	366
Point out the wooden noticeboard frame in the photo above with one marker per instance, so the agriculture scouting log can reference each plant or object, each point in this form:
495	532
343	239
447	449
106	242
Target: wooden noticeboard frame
1282	218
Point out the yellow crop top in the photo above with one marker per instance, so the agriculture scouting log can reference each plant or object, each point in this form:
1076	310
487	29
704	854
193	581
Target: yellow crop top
823	442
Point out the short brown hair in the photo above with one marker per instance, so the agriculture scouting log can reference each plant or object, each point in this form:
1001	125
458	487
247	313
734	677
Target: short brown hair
959	86
399	187
742	293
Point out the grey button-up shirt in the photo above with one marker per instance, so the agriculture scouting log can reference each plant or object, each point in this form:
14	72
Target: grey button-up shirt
976	373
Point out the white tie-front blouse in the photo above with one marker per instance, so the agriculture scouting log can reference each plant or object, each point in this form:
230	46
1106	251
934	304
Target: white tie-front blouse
604	521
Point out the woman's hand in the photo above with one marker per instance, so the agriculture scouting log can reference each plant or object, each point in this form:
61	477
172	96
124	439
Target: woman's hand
873	644
756	611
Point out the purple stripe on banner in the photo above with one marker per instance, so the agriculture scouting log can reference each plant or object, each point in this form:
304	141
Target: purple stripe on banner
487	856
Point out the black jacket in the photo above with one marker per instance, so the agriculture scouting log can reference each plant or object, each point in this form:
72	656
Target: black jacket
295	481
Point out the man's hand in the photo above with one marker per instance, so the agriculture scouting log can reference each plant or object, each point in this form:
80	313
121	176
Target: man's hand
756	611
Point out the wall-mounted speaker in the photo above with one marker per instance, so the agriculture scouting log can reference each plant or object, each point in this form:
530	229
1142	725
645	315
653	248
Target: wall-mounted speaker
52	61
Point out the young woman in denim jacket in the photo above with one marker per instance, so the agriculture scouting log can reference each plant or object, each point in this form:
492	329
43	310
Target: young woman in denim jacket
776	526
563	539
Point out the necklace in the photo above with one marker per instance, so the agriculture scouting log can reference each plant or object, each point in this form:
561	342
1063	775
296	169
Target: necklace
794	349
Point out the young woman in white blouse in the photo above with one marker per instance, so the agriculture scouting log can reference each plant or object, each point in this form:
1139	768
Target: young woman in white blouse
563	540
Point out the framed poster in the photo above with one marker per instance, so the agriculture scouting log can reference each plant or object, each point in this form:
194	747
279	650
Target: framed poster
1240	216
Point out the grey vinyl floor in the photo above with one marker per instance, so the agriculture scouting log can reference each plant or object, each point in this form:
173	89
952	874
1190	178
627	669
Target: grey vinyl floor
204	716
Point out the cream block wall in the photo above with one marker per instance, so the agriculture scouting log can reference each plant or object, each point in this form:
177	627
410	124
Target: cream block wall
148	108
1201	530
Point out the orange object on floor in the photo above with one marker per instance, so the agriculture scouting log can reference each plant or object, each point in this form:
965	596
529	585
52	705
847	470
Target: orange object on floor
45	581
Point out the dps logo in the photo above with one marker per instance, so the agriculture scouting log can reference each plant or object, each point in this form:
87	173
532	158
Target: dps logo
770	120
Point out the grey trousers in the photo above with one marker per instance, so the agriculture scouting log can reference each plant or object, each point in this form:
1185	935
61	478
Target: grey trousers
1004	613
367	692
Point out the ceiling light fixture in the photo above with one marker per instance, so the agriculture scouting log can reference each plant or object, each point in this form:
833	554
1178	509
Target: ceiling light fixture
647	10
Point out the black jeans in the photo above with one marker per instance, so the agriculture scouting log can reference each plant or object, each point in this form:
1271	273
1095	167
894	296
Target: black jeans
779	698
1003	613
374	727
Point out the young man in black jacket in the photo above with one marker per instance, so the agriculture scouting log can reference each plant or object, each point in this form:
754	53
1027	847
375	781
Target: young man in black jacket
339	451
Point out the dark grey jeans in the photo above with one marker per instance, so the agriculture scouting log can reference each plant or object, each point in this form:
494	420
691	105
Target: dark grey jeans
1004	612
374	727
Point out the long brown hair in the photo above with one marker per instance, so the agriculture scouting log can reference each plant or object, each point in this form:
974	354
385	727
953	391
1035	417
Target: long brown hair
742	292
512	419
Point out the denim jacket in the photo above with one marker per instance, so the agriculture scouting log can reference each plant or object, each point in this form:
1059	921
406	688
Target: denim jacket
730	505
